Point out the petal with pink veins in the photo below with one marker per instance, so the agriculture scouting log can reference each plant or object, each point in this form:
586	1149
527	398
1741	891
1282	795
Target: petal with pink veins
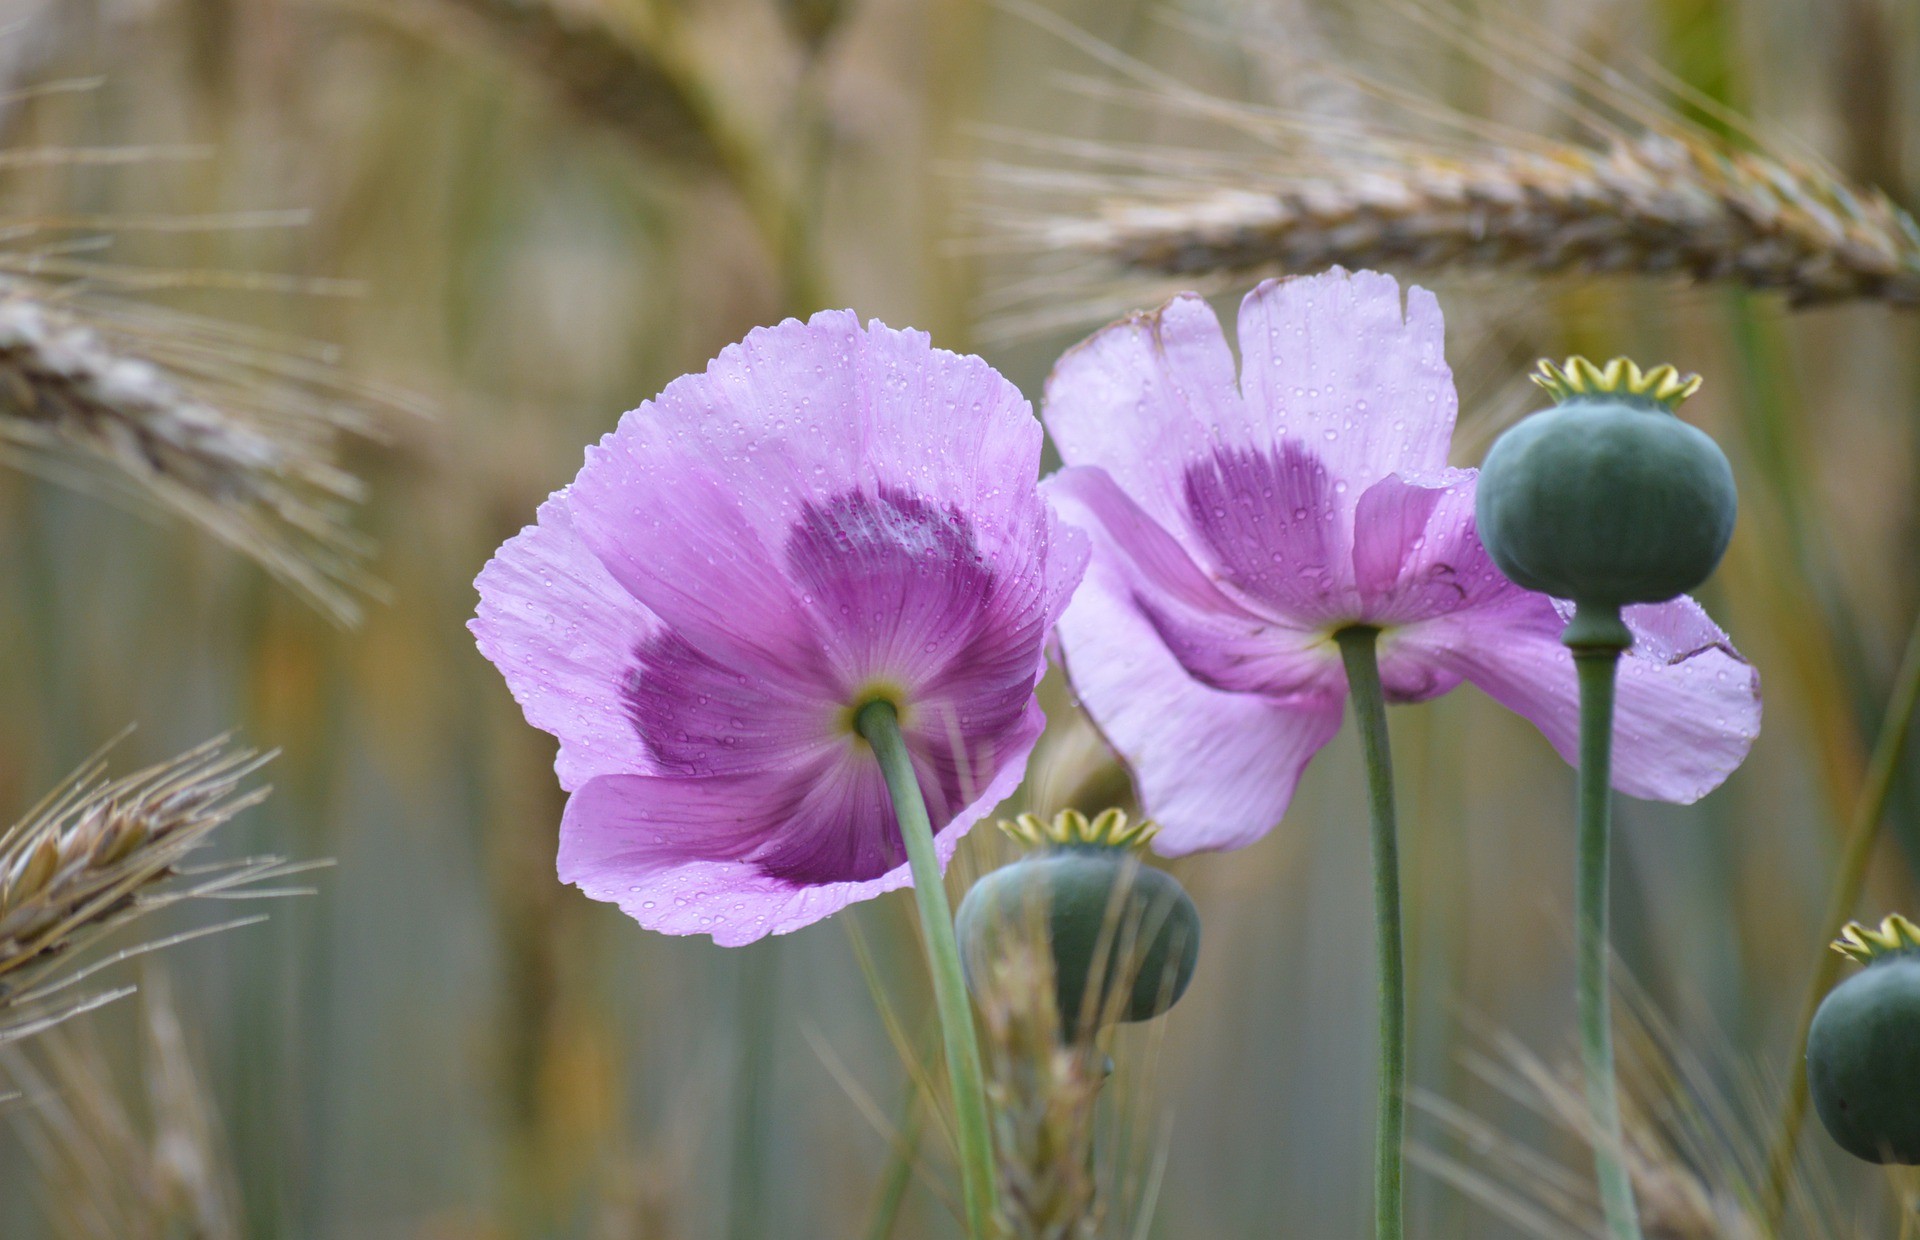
1416	551
691	501
1145	398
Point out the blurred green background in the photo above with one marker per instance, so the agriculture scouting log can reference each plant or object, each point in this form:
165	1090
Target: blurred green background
443	1041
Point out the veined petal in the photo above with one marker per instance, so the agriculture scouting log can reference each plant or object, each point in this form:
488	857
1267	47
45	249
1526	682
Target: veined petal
1146	397
1274	525
1216	639
1335	361
1417	553
1216	769
563	633
1687	707
728	857
692	501
1090	498
698	715
898	588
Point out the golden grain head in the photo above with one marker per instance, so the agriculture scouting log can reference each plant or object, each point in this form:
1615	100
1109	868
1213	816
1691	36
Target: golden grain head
97	853
181	413
1649	196
1042	1092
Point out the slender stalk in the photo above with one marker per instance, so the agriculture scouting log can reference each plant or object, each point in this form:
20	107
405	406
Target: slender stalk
880	725
1598	665
753	1065
1863	833
899	1173
1359	648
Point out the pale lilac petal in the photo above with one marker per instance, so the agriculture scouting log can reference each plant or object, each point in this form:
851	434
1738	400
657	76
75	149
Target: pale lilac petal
563	633
1334	361
1145	397
830	514
1417	553
1688	705
720	856
1216	769
1089	496
693	500
1216	639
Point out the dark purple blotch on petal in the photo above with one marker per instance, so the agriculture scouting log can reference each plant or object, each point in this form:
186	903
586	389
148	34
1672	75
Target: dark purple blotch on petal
1268	520
892	593
697	714
834	825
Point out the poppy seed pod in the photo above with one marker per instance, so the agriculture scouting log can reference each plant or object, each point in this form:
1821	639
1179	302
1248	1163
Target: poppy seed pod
1103	913
1863	1050
1607	498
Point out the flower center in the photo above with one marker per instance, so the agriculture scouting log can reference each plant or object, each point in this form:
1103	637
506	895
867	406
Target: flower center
891	692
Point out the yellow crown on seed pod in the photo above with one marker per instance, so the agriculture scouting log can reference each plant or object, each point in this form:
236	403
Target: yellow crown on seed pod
1866	945
1577	376
1109	828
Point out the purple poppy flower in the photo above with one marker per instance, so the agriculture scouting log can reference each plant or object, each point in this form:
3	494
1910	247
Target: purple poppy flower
830	514
1238	522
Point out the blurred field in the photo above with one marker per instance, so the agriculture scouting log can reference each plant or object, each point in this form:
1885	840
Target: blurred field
444	1042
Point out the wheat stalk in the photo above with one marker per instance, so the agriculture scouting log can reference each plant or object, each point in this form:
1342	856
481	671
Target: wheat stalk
1694	1145
107	1173
605	75
642	81
98	853
1655	204
192	415
1425	191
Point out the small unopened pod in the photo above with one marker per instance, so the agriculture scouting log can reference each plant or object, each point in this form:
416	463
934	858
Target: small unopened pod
1863	1051
1123	937
1607	498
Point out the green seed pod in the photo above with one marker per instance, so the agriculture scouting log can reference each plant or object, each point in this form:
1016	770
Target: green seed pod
1863	1051
1607	498
1103	913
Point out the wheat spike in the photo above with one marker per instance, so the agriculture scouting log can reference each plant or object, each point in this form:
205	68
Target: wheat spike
189	415
1410	186
1657	204
1042	1091
98	853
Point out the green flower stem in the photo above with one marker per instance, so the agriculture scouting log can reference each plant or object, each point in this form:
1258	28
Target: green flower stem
1598	666
879	723
1863	832
1359	650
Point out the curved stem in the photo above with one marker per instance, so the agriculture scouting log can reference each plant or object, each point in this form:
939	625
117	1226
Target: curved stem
880	725
1863	832
1598	665
780	218
1359	650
